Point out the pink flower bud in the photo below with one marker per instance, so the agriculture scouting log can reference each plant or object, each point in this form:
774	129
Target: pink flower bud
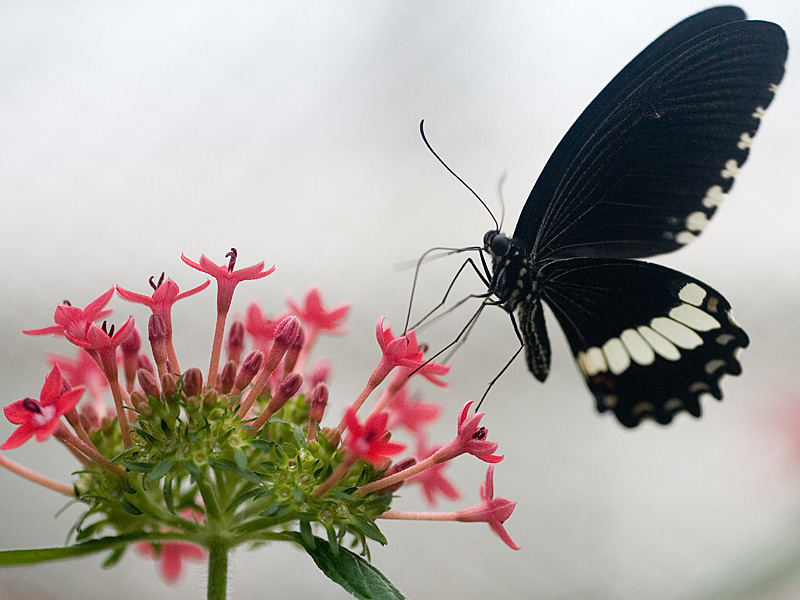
132	344
193	381
236	341
157	333
90	417
148	382
290	359
169	386
226	377
249	369
141	403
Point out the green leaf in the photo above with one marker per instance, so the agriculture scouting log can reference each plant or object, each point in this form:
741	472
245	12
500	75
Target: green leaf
137	465
160	470
32	556
229	465
114	557
240	458
130	507
350	571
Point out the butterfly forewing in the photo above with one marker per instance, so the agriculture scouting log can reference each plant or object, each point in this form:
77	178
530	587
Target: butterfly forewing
645	166
649	340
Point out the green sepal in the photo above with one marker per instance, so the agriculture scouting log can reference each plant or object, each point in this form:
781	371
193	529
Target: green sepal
161	469
130	508
350	571
115	556
229	465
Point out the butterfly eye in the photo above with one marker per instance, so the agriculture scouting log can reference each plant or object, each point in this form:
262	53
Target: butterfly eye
497	243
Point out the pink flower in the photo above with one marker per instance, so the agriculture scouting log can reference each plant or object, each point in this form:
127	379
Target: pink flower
370	440
101	339
260	328
227	278
411	414
314	316
81	371
493	511
470	439
432	480
165	294
171	556
42	418
71	319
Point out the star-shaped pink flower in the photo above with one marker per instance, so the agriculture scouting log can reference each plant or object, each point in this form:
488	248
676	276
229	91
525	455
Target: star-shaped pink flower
81	371
494	511
227	278
369	441
411	414
432	479
470	439
42	417
74	320
316	318
165	294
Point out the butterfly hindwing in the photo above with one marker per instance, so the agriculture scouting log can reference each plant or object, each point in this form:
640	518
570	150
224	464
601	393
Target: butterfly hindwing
644	167
649	340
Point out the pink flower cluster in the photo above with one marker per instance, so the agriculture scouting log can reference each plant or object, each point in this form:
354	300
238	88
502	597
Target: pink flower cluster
281	347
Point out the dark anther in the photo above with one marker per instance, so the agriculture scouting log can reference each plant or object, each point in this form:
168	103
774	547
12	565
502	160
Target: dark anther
232	262
109	331
66	303
154	285
423	347
480	434
31	405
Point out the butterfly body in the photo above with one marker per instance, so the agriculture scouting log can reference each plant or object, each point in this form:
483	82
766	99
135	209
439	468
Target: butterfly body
640	173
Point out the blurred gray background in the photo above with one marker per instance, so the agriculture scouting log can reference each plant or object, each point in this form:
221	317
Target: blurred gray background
130	133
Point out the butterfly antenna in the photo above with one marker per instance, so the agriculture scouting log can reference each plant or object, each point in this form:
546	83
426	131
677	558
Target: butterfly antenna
500	183
453	173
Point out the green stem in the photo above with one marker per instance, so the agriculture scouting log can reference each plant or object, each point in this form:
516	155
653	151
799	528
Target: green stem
217	570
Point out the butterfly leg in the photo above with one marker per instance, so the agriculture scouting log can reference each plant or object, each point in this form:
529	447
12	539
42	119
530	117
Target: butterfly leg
508	364
469	262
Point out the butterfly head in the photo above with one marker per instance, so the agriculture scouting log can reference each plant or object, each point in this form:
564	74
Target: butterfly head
496	244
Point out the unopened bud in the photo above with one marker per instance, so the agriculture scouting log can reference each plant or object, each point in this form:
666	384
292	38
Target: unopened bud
145	363
193	381
248	370
236	341
132	343
226	377
210	396
90	417
290	360
319	400
141	403
396	468
148	382
169	386
157	333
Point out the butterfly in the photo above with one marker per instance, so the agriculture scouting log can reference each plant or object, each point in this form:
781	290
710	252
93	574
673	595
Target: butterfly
641	172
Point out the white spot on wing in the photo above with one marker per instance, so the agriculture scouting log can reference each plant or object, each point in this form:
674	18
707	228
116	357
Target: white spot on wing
745	141
713	366
675	332
692	293
773	87
696	221
617	357
731	169
592	361
684	237
759	112
694	317
714	196
639	350
659	343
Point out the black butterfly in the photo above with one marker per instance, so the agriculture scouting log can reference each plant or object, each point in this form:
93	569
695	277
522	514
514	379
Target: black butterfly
640	173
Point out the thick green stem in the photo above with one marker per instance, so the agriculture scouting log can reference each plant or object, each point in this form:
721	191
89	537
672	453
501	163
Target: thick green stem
217	570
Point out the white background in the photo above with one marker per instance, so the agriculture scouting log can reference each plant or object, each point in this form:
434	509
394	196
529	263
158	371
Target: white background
130	133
